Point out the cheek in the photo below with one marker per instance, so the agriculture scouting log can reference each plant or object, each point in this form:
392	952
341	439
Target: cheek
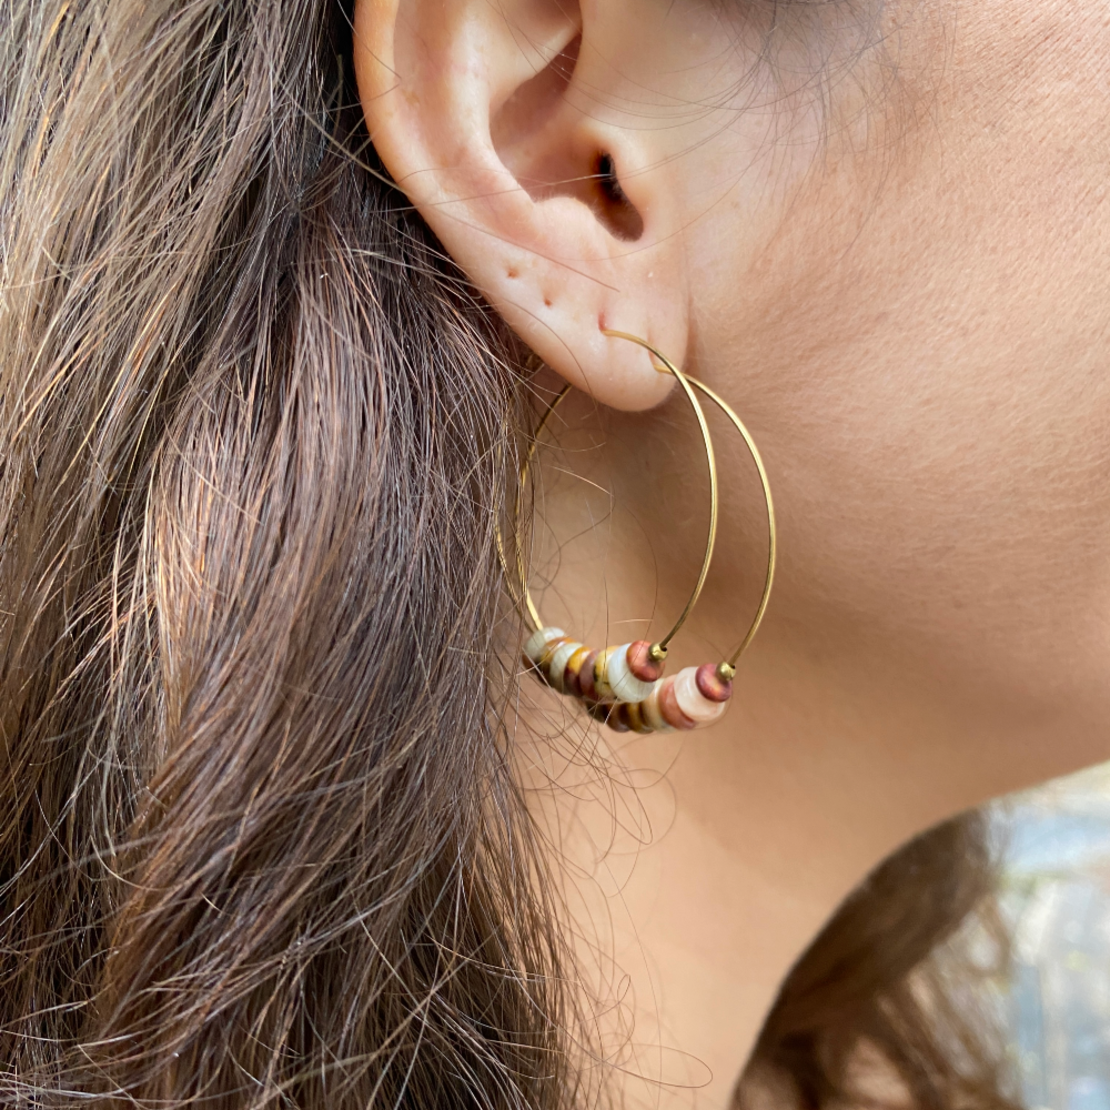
919	344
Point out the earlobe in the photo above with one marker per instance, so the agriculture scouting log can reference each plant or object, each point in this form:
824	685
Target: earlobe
559	214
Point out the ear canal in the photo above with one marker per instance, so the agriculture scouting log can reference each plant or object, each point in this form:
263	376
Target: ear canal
613	206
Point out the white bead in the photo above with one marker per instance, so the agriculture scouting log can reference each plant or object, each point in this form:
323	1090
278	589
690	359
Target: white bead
692	701
533	647
624	684
558	664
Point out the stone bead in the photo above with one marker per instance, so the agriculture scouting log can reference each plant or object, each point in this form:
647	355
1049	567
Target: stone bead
550	649
587	686
634	714
711	685
623	684
572	673
692	702
602	690
641	664
617	717
557	664
534	645
670	709
652	713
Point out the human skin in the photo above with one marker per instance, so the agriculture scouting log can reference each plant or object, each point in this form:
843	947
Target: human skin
897	275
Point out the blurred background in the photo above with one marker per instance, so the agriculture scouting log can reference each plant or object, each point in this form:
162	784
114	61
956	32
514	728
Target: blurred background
1056	898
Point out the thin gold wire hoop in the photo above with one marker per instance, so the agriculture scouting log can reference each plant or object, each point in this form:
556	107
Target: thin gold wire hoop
688	385
772	531
658	650
521	569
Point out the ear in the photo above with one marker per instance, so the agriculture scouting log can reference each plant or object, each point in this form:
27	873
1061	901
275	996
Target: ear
501	121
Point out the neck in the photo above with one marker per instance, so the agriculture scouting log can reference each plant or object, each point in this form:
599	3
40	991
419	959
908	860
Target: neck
699	866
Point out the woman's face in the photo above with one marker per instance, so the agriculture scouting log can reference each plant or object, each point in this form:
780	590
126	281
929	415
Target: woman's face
881	230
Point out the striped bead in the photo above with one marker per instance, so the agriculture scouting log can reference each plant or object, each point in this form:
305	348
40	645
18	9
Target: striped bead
641	664
692	702
669	707
652	713
573	672
535	647
587	678
711	684
617	717
557	664
623	684
550	650
602	690
633	712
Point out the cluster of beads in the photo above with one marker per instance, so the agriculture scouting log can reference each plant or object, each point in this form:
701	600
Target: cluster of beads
624	686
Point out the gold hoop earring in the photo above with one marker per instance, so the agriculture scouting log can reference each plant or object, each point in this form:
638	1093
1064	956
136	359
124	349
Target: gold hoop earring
624	685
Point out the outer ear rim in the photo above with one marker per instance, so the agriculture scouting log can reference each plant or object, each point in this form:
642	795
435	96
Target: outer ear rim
558	308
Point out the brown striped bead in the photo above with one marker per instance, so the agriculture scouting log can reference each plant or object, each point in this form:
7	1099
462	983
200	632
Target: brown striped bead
573	672
617	719
601	673
634	714
641	664
711	685
587	687
668	706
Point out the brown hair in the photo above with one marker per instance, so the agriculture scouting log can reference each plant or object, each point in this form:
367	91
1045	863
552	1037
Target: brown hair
259	840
